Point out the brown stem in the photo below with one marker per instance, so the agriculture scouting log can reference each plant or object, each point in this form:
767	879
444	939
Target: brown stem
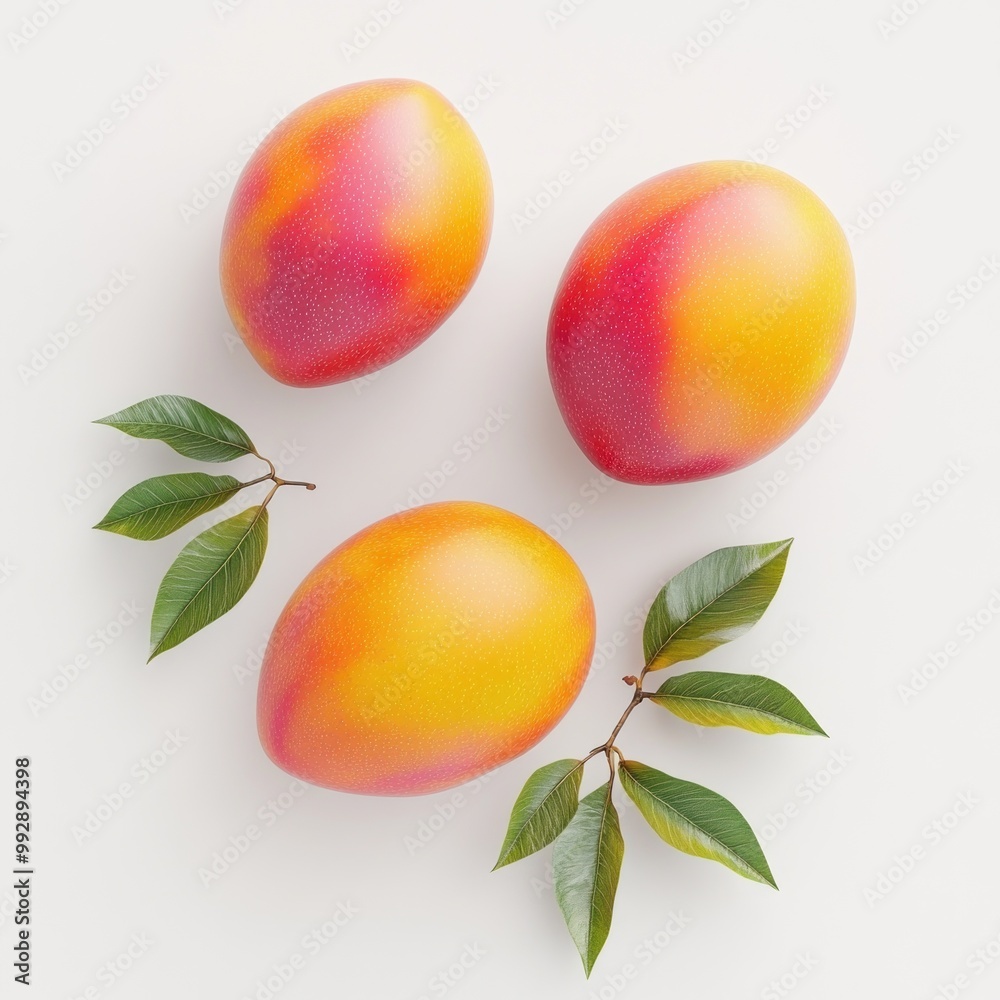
608	748
295	482
636	698
274	489
272	476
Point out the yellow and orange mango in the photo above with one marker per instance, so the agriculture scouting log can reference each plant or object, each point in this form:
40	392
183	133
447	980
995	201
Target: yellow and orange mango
700	321
356	228
426	650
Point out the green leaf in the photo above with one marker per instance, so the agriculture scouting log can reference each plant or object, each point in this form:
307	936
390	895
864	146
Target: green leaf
713	601
186	425
212	573
750	702
156	507
586	862
695	820
546	804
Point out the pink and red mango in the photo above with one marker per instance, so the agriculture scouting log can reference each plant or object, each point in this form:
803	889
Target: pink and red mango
356	228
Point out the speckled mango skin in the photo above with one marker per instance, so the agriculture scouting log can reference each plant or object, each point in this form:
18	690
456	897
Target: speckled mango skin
700	321
356	228
426	650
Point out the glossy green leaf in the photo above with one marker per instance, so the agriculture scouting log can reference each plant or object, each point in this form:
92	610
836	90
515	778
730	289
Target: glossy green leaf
713	601
759	704
695	820
212	573
586	863
188	426
156	507
546	804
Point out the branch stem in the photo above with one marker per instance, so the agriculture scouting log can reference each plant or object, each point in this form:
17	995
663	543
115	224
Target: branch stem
608	748
272	476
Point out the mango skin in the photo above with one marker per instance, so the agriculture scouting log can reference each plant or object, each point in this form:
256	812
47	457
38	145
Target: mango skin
355	229
426	650
700	321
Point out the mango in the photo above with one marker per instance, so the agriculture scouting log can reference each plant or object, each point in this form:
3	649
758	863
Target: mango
356	228
700	321
429	648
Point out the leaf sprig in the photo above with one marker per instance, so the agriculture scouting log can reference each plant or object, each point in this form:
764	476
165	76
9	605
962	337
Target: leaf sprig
216	568
713	601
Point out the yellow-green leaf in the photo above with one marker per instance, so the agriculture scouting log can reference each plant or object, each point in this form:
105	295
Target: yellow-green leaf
709	698
712	601
695	820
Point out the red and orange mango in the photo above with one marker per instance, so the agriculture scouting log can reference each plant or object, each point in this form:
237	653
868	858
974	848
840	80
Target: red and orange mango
426	650
700	321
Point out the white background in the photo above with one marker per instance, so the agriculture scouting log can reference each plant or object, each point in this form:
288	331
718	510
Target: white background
905	759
